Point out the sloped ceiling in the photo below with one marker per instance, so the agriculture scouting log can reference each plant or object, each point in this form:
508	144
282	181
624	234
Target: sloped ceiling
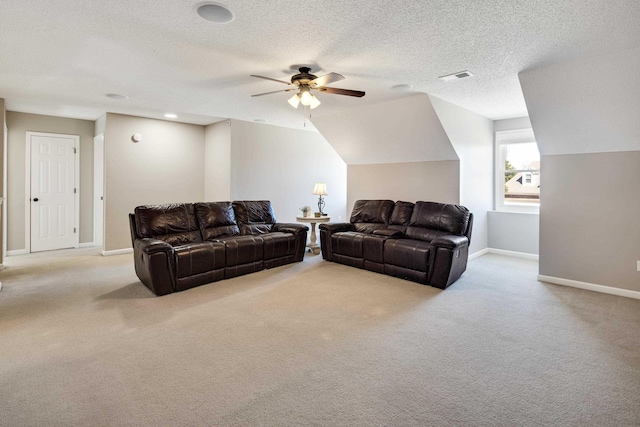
404	130
588	105
62	57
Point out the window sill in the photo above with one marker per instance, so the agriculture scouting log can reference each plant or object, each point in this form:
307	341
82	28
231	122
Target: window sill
518	209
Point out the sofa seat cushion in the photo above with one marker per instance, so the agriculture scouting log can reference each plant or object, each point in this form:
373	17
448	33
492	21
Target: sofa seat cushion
407	253
243	249
373	248
277	245
199	258
349	243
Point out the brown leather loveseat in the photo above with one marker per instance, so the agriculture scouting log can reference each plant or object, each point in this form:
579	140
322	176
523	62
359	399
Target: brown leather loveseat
183	245
425	242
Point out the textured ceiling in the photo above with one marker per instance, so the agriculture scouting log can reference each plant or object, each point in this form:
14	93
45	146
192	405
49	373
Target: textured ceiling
62	57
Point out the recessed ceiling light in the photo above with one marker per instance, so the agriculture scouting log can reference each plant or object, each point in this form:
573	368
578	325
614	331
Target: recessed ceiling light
171	116
214	12
117	96
456	76
402	88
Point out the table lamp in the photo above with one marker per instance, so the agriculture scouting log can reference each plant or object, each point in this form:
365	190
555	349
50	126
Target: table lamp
320	189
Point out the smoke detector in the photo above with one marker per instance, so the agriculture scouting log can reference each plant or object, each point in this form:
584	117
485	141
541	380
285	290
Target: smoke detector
456	76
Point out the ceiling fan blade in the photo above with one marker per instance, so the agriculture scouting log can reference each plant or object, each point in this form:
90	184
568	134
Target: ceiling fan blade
275	91
326	79
338	91
269	78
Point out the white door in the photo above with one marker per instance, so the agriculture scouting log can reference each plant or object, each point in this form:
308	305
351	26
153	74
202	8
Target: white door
53	191
98	190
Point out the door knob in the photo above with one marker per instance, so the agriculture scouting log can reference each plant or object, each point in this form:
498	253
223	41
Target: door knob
35	200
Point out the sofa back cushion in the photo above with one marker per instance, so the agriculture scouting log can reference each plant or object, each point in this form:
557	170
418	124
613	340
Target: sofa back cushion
254	216
401	215
430	220
173	223
216	219
370	215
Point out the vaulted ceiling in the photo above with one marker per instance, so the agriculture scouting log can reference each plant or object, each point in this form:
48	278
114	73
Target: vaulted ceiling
63	57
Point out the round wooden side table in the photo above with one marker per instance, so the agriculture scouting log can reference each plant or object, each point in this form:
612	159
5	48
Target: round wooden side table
313	220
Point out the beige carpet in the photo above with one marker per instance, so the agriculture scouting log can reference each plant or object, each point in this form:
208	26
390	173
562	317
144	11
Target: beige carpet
83	343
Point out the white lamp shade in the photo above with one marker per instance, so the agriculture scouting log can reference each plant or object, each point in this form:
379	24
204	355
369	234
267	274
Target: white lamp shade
320	189
305	96
315	102
294	101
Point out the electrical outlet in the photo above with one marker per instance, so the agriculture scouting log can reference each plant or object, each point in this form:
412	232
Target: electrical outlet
340	219
638	265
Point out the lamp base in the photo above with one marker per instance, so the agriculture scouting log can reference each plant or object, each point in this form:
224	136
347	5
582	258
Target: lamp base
321	206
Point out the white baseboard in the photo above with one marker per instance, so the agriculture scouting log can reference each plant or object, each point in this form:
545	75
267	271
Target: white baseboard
478	254
503	252
514	254
118	252
86	245
590	286
17	252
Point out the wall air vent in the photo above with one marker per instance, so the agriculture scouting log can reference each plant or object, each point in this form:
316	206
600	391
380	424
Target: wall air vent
456	76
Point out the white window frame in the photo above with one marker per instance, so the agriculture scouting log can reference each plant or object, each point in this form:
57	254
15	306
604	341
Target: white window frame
509	137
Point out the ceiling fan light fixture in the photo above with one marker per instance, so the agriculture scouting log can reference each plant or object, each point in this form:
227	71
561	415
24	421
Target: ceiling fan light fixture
315	102
304	82
305	96
294	101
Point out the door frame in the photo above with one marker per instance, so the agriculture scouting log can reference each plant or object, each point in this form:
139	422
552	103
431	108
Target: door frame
27	186
4	194
98	156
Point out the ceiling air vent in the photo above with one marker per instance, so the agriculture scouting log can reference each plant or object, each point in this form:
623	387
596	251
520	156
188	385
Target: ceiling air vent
456	76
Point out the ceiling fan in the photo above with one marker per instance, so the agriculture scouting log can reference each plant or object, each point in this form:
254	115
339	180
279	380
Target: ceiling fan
304	82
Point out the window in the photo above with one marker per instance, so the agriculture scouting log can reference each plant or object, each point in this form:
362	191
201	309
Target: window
517	170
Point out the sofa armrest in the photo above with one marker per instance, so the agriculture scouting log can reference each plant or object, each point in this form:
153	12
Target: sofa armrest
450	241
290	228
388	232
154	263
447	260
299	232
326	230
336	227
151	246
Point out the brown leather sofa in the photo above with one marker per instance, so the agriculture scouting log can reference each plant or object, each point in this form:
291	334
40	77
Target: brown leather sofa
184	245
425	242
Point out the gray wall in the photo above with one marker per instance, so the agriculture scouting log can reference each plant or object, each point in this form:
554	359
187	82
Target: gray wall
586	124
217	161
166	166
514	232
588	218
433	181
282	165
100	125
18	125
